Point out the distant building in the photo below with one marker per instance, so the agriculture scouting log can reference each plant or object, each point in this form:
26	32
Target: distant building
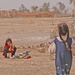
14	13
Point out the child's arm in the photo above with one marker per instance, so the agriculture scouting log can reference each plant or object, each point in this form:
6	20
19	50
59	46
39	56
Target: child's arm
52	48
11	47
73	42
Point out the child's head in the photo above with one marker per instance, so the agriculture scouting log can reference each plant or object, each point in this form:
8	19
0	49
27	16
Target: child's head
8	42
63	31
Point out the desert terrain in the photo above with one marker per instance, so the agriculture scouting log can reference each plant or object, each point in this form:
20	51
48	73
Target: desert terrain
31	34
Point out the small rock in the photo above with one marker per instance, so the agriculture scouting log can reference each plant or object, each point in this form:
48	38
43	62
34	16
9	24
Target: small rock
41	50
29	47
42	45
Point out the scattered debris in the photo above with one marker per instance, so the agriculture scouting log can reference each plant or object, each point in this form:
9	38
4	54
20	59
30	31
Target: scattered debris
41	50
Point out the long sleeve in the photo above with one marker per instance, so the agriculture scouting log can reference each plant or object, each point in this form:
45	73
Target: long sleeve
73	42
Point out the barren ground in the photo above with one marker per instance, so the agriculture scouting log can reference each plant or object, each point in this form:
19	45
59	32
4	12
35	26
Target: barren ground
29	34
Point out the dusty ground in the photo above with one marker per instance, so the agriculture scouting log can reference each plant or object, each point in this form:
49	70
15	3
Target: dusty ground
30	34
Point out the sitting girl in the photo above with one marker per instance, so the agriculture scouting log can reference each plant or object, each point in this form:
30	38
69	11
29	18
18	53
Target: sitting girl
9	48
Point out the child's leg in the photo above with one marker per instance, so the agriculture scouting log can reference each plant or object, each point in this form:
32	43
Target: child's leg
67	69
67	72
14	51
68	64
60	72
5	52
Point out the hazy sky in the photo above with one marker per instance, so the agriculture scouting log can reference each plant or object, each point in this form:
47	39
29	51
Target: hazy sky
10	4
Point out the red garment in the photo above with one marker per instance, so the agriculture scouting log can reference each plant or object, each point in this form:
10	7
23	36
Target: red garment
7	47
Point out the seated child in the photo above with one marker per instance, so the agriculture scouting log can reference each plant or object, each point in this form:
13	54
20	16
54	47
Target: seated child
9	48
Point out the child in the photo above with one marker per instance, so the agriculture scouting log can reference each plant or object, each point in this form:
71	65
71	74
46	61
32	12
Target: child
9	48
63	43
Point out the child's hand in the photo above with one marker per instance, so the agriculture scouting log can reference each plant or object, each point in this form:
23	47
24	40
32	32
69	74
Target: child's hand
9	49
67	47
12	49
11	45
49	42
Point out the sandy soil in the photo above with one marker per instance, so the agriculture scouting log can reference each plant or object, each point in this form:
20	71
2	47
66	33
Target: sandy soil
30	34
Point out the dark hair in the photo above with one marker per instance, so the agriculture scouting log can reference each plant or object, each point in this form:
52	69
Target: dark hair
64	30
8	41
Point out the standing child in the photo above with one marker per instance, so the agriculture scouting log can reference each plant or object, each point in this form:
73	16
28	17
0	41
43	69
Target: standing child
63	43
9	48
